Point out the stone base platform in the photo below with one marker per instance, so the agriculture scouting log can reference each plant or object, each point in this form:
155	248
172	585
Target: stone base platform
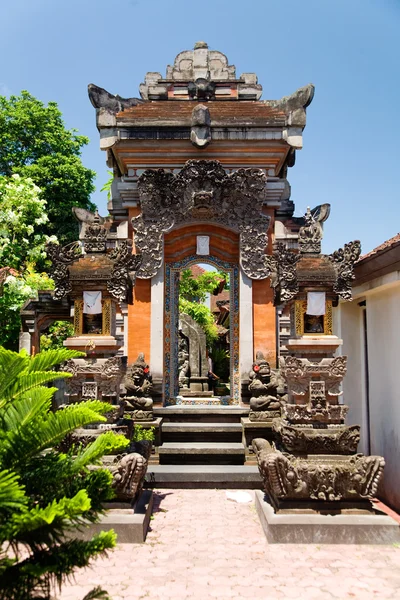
203	477
297	528
195	394
130	524
253	430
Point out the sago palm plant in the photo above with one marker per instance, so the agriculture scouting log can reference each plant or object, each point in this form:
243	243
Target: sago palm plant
46	495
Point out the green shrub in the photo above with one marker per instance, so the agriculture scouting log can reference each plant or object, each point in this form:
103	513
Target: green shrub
46	495
141	433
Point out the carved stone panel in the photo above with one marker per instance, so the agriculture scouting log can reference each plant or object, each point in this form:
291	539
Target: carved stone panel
344	260
202	191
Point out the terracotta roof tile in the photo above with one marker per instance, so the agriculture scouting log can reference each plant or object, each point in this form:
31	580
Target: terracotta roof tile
220	110
382	247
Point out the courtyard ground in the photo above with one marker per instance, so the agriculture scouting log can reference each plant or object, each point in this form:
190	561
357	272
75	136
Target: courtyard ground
204	545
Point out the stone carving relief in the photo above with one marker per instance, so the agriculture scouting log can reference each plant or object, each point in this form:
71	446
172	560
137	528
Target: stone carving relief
61	257
311	232
202	191
123	274
106	375
100	98
201	89
183	362
299	372
282	266
333	478
95	236
304	413
344	260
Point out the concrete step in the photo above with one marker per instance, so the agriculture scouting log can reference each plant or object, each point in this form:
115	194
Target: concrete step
203	476
200	427
203	414
187	431
201	453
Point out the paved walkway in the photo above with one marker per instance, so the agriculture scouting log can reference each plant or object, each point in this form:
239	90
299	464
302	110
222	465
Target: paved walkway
203	545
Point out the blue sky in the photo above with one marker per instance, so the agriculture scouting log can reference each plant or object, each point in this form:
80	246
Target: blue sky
349	49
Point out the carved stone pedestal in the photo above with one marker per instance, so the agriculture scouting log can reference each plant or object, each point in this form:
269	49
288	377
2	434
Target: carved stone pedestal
263	415
141	415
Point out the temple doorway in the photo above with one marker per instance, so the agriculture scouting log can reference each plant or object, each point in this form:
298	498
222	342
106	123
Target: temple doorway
202	332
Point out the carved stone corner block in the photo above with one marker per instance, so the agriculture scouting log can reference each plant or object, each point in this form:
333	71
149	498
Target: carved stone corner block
344	260
330	478
299	440
128	475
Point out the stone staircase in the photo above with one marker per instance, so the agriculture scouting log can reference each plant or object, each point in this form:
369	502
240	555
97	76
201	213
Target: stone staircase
202	446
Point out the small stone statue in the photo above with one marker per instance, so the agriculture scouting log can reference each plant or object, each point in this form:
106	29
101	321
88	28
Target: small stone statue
138	384
310	235
183	364
264	402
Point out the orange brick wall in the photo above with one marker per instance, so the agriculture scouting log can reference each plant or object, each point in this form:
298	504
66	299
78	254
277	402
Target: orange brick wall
139	314
264	312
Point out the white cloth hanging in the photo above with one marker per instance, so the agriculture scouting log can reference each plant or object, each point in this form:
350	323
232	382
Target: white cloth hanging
203	245
316	303
92	303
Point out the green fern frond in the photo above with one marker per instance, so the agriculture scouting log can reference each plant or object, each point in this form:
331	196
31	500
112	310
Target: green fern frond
97	593
94	405
48	359
12	494
28	407
65	509
27	381
106	443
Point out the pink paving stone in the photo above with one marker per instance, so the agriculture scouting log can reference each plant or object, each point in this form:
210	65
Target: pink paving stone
204	546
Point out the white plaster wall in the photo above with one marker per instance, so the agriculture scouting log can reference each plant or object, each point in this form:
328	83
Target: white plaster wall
245	324
157	324
383	321
348	325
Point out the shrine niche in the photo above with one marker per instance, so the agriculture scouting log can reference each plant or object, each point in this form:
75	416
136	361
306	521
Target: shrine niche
96	277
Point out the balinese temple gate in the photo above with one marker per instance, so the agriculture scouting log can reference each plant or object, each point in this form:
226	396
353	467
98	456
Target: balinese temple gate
200	176
200	168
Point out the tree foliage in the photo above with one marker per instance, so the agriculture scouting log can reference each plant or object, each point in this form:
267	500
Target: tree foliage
192	295
46	495
195	289
35	143
15	289
56	334
22	214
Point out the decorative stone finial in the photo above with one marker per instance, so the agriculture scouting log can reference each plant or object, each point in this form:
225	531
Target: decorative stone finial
200	45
